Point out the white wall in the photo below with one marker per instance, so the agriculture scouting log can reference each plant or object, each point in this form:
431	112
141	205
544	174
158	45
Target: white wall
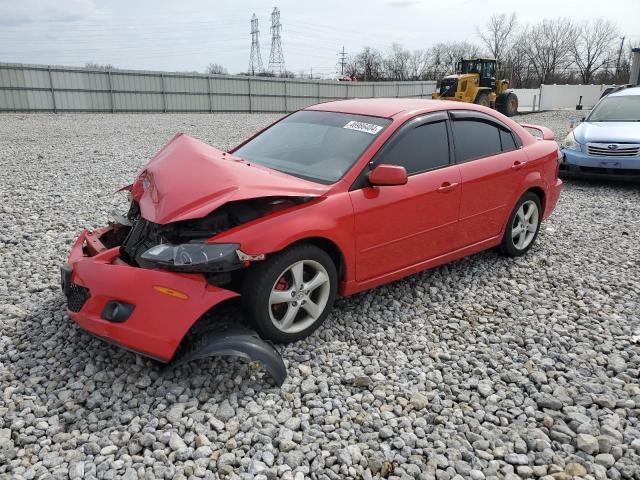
555	97
526	97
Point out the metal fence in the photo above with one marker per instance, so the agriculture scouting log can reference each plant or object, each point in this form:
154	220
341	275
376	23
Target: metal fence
42	88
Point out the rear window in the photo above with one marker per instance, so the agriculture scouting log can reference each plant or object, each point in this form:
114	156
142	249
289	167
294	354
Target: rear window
317	146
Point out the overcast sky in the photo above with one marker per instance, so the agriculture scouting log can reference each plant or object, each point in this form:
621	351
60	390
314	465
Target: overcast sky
187	35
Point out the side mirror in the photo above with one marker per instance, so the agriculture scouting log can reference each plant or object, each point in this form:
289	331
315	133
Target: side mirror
582	119
388	175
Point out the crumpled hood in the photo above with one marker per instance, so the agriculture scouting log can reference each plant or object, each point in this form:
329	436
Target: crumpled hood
189	179
607	132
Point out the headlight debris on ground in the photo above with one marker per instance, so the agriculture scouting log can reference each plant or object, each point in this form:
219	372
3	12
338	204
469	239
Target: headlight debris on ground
485	368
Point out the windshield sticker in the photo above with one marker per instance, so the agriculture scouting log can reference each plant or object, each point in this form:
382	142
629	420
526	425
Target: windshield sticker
369	128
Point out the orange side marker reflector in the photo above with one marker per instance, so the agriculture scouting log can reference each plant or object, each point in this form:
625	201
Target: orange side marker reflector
171	292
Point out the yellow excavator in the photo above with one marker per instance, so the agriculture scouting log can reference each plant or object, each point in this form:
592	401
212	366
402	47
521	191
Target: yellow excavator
475	82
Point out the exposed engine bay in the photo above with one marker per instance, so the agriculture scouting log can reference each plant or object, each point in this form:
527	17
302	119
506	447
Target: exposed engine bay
135	235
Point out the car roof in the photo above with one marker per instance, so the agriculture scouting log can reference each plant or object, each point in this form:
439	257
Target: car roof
625	92
384	107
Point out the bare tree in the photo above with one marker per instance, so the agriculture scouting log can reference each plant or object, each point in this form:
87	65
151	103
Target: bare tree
443	57
216	69
516	65
548	47
397	63
418	65
593	47
351	68
370	64
497	34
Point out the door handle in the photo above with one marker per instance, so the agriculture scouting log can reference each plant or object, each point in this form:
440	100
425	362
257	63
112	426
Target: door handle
517	165
447	187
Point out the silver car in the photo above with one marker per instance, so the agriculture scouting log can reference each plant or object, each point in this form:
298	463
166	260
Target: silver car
607	142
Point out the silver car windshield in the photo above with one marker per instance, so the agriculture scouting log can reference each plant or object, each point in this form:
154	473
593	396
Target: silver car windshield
625	108
317	146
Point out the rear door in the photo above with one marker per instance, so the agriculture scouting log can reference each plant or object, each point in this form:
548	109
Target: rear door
491	165
399	226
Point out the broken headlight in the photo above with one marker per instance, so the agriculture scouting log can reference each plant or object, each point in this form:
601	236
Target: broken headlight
193	257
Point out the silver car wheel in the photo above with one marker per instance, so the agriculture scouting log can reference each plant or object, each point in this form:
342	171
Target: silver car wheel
525	224
299	296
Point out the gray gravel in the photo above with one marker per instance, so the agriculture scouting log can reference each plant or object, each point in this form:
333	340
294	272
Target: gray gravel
486	368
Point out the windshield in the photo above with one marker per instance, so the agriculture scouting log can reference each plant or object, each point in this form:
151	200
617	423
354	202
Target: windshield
625	108
317	146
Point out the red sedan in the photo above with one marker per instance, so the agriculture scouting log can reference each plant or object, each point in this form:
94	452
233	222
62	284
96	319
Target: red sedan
333	199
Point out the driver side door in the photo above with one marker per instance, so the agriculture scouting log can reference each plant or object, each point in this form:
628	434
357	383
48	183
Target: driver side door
399	226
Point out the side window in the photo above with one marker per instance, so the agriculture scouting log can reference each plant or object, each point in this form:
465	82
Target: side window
474	138
508	143
421	148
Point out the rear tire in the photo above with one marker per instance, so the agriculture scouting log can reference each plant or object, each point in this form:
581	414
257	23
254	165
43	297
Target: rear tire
507	104
523	226
483	99
290	294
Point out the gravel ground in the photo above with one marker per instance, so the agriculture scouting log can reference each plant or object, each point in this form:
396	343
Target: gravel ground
485	368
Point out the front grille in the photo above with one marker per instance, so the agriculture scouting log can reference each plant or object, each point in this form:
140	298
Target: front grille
77	296
613	149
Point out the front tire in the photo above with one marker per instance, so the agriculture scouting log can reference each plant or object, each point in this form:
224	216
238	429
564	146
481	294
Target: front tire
483	99
523	226
507	104
290	294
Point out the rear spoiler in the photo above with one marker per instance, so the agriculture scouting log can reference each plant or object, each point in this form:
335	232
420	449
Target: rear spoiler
546	133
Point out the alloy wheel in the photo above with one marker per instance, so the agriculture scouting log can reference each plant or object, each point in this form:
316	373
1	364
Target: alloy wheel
299	296
525	225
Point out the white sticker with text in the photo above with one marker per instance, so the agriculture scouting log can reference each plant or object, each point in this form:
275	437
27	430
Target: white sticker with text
363	127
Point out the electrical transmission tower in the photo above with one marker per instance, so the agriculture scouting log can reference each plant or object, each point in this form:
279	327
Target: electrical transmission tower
255	61
276	59
343	60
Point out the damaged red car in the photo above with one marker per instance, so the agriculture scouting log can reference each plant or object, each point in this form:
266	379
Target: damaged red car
331	200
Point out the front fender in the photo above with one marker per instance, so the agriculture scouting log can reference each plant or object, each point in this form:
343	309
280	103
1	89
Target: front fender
330	218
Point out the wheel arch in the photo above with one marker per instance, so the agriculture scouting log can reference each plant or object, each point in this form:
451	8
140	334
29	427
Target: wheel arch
539	192
328	246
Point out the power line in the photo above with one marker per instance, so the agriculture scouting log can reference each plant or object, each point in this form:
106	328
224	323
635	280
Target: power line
255	59
276	58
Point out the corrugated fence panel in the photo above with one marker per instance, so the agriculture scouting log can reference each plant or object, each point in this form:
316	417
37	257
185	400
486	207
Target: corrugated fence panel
267	87
184	102
138	102
333	90
267	104
296	103
82	101
230	85
299	89
386	90
356	90
35	87
136	83
231	103
185	84
410	90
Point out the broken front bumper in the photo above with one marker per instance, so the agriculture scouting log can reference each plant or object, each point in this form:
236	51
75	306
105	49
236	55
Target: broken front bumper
163	305
149	311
